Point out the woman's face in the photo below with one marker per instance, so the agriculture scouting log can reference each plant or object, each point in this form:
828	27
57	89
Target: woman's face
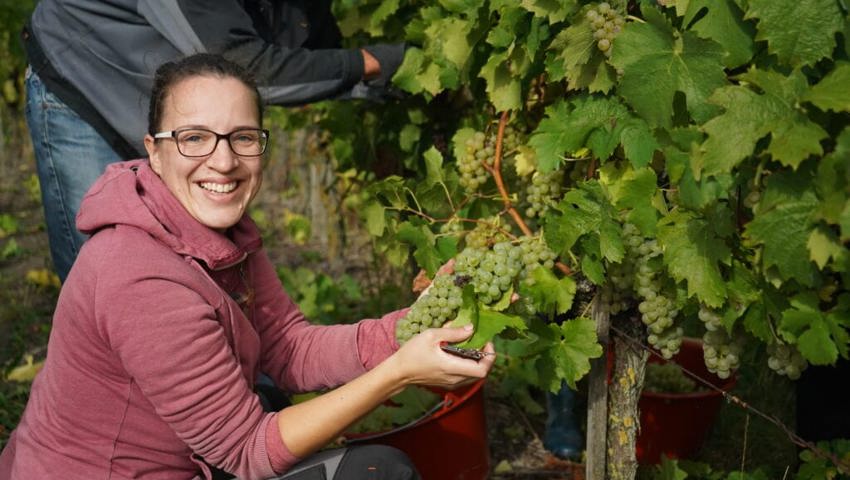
217	188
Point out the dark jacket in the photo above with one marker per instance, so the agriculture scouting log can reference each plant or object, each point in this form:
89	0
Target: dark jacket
99	56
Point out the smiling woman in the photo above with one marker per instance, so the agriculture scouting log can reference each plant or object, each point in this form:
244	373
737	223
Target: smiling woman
173	309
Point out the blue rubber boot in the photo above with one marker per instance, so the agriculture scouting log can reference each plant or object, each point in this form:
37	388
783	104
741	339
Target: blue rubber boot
562	436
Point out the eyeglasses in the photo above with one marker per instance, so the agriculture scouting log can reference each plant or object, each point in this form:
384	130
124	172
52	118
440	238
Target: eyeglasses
200	142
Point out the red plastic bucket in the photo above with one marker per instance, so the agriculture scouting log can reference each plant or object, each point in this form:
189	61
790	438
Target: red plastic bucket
676	424
450	443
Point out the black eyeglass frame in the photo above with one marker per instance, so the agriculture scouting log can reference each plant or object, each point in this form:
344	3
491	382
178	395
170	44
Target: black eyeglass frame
173	134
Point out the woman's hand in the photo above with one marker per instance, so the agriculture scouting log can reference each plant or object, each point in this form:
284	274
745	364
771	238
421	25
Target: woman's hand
421	361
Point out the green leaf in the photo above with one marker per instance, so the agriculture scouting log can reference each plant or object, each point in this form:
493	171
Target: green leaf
408	137
417	74
585	211
657	61
823	244
639	144
422	239
503	88
831	92
634	192
553	10
799	32
548	293
449	39
818	336
692	253
723	22
491	323
433	166
571	125
375	222
750	116
568	350
460	6
783	226
573	55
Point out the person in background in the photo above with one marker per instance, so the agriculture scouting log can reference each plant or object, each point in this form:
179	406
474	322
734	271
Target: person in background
173	307
92	63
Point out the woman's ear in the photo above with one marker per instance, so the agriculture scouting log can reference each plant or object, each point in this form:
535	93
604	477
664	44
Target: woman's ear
153	154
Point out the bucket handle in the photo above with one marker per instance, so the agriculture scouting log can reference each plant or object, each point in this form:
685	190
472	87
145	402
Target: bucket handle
445	402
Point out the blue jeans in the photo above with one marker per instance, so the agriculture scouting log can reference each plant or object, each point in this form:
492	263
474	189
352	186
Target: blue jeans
69	155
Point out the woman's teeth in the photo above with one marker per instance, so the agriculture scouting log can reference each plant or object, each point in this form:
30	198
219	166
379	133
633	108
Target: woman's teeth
219	187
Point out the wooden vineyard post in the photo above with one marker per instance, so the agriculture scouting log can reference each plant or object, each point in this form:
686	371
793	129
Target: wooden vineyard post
623	395
597	398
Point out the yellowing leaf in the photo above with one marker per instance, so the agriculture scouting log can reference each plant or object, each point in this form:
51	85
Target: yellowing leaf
25	372
43	278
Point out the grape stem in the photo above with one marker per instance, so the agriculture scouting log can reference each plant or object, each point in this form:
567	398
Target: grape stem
496	171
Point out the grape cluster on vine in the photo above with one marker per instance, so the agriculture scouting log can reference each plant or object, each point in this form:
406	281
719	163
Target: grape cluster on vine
435	307
606	23
491	272
785	359
543	192
487	232
472	165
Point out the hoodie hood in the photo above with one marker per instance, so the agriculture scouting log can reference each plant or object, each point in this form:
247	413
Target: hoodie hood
132	194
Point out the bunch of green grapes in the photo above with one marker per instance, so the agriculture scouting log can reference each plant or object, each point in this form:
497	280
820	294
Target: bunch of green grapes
487	232
709	318
491	271
535	252
657	308
479	151
785	359
606	23
543	192
722	352
432	309
667	378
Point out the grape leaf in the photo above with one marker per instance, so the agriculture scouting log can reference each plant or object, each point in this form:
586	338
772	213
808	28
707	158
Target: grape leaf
833	182
374	215
449	40
639	144
634	191
692	253
831	92
503	88
460	6
723	22
567	350
573	55
585	211
417	74
750	116
553	10
783	225
818	336
422	239
408	137
797	32
548	293
570	125
823	244
657	61
433	166
489	324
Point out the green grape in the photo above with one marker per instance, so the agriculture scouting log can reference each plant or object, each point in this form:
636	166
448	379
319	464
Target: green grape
473	173
432	309
486	233
606	23
786	359
722	351
543	192
491	271
667	378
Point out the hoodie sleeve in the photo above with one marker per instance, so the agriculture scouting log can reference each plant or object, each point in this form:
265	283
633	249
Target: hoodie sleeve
305	357
166	334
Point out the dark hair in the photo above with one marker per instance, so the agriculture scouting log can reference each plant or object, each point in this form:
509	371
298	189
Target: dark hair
200	64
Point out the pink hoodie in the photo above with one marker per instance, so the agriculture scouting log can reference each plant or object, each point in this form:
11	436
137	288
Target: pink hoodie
152	357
